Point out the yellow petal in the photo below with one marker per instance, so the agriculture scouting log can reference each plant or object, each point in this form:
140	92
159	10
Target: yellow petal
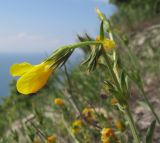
108	45
59	101
34	79
20	69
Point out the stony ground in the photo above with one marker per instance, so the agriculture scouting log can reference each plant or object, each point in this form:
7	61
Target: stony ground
147	43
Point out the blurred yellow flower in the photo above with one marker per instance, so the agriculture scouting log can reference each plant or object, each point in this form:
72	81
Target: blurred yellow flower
119	125
108	44
51	139
58	101
89	114
106	135
76	126
33	77
114	101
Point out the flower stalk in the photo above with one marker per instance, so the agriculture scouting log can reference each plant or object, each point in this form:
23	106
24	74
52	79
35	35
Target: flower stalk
127	111
132	125
74	46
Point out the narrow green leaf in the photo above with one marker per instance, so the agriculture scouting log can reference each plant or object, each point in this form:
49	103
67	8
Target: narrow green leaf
124	84
92	60
107	25
100	14
113	90
101	31
150	132
109	84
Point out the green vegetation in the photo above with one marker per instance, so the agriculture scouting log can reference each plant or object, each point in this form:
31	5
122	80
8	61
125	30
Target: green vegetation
92	102
132	13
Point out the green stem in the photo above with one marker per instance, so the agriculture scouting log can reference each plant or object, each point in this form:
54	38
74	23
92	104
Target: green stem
73	46
73	101
131	55
127	111
71	98
86	43
132	125
80	44
111	70
136	65
69	131
150	106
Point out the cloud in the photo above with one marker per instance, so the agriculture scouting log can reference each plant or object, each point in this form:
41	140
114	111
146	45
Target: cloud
24	42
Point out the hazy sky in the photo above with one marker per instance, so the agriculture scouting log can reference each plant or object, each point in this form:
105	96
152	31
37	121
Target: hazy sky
43	25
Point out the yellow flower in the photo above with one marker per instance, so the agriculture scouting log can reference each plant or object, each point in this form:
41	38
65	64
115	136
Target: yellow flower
76	126
119	125
89	114
108	44
32	77
106	135
51	139
58	101
114	101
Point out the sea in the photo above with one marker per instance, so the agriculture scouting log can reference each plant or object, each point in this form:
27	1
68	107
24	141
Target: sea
7	59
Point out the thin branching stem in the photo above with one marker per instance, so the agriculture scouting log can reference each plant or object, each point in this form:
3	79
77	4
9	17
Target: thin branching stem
132	125
73	102
68	129
150	106
136	66
127	111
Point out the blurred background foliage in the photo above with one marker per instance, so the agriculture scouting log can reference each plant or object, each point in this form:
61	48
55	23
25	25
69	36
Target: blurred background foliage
36	116
131	13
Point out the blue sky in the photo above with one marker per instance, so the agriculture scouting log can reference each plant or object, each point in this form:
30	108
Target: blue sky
43	25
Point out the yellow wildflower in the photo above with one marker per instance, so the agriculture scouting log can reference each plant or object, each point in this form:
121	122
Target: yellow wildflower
108	44
76	126
119	125
114	101
58	101
51	139
33	77
89	114
107	135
